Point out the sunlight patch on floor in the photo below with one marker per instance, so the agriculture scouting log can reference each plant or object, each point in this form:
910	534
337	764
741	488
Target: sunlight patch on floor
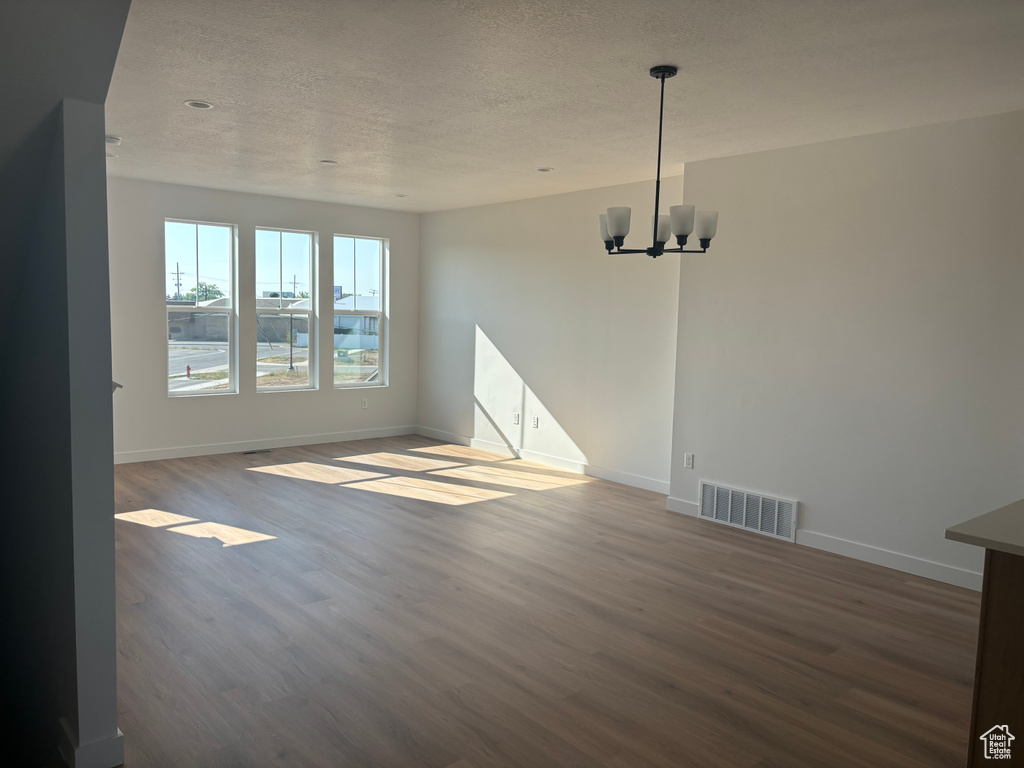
400	461
530	481
154	518
429	490
318	473
460	452
228	534
158	518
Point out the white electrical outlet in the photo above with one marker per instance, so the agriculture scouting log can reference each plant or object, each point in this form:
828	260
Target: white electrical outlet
366	404
515	417
536	422
688	460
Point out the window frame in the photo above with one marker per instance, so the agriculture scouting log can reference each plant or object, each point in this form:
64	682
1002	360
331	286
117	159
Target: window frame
181	306
312	369
383	329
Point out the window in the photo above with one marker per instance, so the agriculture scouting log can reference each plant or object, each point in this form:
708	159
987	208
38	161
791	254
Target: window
285	317
360	323
200	279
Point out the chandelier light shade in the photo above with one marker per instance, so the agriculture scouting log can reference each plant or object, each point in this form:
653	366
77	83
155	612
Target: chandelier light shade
618	223
681	221
707	226
662	229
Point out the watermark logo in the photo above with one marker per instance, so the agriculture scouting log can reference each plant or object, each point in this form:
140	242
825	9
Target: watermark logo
997	742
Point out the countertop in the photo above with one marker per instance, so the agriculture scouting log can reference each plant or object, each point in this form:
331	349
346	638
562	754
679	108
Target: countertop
1002	529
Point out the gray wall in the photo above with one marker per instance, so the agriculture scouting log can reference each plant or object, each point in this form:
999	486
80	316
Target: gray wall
56	551
37	560
855	339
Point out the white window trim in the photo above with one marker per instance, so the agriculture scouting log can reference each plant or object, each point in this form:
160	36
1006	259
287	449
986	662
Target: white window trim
232	312
312	369
382	314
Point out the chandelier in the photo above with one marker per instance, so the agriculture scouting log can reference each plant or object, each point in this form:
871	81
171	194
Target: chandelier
681	220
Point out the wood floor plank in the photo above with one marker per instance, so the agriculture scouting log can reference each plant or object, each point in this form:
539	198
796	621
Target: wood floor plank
403	602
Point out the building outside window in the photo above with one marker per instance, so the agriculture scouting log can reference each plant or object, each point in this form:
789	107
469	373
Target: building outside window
199	261
285	310
360	317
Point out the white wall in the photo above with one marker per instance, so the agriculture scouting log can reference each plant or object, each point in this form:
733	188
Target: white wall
857	339
522	309
148	424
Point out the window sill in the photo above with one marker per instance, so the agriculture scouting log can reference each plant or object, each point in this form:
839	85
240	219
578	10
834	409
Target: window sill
369	385
201	393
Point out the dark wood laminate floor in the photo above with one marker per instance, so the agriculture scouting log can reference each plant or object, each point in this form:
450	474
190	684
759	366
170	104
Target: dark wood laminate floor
430	606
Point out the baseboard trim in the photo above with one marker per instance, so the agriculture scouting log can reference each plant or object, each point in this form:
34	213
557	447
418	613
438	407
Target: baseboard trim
157	454
628	478
960	577
104	753
437	434
929	569
682	506
591	470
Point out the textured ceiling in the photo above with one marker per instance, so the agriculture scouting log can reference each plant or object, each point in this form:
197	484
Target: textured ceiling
457	102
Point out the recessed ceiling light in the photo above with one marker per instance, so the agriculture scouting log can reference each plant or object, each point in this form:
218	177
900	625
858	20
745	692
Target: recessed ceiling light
112	140
545	169
400	194
111	154
196	104
328	162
